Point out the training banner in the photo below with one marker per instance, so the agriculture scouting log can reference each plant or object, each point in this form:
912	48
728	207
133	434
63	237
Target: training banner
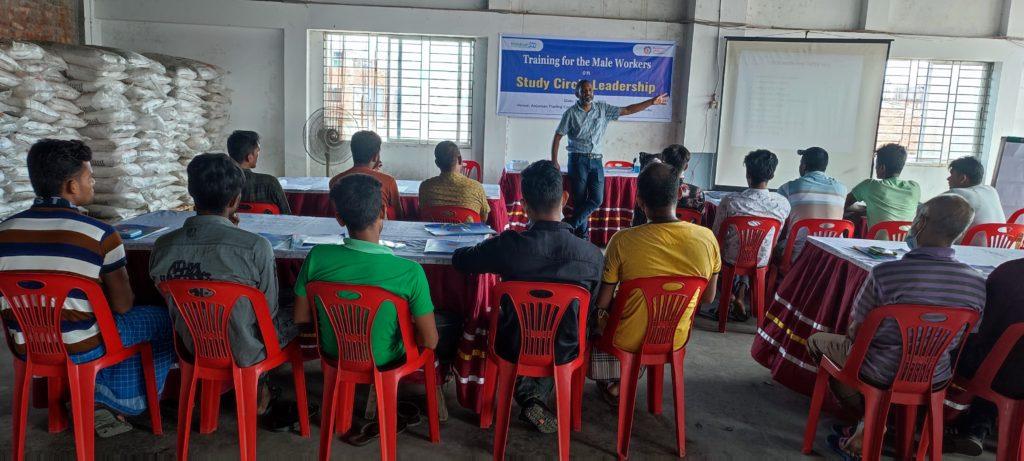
539	74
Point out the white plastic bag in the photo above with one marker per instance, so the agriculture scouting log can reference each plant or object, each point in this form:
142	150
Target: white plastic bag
108	116
101	100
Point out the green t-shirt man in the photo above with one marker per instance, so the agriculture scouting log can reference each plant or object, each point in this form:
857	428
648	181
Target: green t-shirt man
891	199
363	263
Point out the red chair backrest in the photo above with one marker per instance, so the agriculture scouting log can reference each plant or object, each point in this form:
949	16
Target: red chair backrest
895	231
926	334
258	208
540	307
1016	216
816	228
449	214
351	311
472	169
666	298
996	358
689	215
206	307
997	235
618	164
751	231
37	300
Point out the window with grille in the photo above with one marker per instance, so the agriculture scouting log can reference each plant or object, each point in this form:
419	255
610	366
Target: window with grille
936	109
407	88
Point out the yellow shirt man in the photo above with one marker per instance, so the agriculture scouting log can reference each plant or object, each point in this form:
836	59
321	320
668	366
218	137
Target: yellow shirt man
655	249
452	188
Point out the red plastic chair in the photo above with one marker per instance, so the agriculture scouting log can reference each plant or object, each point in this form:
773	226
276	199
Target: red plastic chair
618	164
206	308
449	214
815	228
1011	411
895	231
751	232
351	320
667	299
258	208
37	301
689	215
1010	236
472	169
927	332
539	307
1016	216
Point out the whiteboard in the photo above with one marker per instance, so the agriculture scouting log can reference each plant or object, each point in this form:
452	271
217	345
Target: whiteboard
1008	178
790	94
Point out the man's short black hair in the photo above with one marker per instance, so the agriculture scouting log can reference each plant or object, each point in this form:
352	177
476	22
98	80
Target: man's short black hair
761	165
970	167
677	156
542	186
893	157
52	162
658	185
214	180
358	201
365	144
813	158
241	143
446	155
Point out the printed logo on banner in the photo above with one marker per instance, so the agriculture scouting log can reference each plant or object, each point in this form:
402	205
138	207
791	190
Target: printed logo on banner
538	75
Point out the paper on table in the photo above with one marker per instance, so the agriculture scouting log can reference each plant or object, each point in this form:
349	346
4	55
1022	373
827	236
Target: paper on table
312	240
448	247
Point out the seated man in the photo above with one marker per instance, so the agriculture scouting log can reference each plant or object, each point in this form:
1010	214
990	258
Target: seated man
244	148
1002	309
690	196
887	198
365	147
451	187
757	200
546	252
930	275
362	260
965	176
663	246
814	195
53	236
210	246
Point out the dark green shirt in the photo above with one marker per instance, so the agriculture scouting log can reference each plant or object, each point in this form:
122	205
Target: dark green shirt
363	263
264	188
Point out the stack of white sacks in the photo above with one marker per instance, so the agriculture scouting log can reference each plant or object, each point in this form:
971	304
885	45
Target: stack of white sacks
143	121
35	102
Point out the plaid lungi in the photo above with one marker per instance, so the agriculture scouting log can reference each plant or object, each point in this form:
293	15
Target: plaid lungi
122	387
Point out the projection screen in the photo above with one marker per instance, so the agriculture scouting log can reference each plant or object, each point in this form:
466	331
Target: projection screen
790	94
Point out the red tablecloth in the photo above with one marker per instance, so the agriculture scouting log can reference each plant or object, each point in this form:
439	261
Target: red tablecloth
319	204
816	295
616	210
467	294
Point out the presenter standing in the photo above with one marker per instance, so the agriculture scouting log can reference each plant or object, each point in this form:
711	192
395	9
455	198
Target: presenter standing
585	123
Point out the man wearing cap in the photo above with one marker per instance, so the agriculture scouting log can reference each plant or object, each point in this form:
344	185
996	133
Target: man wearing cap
584	123
814	195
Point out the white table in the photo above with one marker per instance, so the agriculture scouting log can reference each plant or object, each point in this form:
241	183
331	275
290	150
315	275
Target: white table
980	258
406	187
411	234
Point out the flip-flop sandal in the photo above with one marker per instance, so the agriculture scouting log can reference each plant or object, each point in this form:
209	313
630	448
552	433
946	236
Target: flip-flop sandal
283	416
410	413
836	444
736	314
108	425
710	314
366	433
843	430
607	396
539	417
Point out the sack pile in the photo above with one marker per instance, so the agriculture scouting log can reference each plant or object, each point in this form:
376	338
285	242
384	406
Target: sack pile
35	102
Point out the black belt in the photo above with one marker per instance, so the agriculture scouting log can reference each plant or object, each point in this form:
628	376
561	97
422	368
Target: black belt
586	155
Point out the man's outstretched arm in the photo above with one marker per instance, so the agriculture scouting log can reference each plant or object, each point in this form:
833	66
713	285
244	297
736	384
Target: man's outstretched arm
634	108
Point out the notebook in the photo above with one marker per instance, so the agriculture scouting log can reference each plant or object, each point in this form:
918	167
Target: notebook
137	231
444	247
476	228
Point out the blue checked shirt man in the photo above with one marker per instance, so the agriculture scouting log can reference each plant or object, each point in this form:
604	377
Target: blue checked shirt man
584	123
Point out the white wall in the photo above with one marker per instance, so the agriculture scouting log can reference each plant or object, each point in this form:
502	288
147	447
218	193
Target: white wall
499	137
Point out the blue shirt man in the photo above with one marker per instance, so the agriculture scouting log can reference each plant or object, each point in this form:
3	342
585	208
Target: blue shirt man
585	123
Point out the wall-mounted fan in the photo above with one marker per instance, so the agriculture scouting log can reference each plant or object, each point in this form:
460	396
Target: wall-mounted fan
326	143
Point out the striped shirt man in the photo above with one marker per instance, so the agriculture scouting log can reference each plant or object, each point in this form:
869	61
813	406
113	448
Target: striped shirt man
815	195
928	276
53	236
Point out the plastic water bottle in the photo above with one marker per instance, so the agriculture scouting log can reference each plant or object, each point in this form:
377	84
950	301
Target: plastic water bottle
636	164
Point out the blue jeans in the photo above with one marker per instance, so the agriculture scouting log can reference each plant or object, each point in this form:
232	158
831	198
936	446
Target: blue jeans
586	187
